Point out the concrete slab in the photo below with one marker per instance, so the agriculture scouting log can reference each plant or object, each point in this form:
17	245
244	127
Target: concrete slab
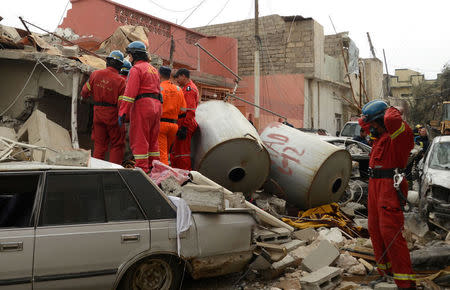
323	256
323	279
308	235
7	133
40	131
294	244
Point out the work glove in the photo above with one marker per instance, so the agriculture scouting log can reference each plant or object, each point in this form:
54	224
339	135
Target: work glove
182	133
122	120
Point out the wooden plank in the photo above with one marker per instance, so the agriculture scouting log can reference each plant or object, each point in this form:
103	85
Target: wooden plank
358	255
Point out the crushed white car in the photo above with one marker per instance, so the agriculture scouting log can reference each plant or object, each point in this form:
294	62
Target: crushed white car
107	228
435	179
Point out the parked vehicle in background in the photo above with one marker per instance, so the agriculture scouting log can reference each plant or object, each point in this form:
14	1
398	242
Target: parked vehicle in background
359	151
82	228
434	174
350	129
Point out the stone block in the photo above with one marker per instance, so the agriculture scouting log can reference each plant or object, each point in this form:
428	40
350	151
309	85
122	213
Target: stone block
273	236
308	235
203	198
294	244
366	264
324	255
385	286
323	279
289	284
303	251
70	51
284	263
279	267
74	157
171	187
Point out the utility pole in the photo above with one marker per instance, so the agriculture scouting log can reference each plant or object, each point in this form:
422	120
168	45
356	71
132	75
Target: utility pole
172	50
371	46
257	66
388	79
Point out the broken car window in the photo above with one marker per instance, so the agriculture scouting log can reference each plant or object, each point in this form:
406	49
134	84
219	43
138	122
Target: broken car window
440	156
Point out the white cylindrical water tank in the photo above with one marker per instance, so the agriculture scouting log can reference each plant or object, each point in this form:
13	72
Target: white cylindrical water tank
228	149
309	171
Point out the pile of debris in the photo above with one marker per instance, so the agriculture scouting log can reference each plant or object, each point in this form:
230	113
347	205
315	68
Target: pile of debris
41	140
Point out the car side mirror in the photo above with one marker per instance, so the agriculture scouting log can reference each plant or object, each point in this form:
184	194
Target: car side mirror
338	133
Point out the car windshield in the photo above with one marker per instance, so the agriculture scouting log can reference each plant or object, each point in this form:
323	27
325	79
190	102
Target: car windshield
440	156
351	130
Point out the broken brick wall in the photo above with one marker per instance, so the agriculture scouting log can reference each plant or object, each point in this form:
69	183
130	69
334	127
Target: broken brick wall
288	45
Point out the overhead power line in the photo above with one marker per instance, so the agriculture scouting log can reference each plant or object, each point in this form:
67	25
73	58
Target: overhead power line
171	10
220	11
192	12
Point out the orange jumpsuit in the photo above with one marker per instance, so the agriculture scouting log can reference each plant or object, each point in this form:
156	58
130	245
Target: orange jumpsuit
389	151
181	151
106	86
141	102
173	103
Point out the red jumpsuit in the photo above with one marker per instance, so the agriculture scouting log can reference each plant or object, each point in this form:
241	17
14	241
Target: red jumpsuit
144	112
173	102
106	86
181	151
389	151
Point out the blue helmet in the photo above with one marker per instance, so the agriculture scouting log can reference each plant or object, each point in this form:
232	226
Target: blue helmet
136	46
117	55
374	110
126	67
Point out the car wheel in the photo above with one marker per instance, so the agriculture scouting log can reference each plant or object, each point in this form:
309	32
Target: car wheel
154	273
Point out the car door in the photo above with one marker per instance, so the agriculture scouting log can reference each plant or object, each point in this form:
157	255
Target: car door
423	169
18	195
89	225
162	215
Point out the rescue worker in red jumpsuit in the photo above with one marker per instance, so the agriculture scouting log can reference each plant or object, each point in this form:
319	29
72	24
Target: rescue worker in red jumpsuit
125	69
106	86
173	102
181	151
141	103
391	147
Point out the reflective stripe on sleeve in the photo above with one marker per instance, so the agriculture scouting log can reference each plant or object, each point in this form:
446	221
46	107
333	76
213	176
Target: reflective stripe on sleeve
88	85
398	132
153	154
126	99
140	156
404	276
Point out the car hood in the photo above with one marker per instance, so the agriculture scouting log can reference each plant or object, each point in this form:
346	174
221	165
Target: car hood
439	177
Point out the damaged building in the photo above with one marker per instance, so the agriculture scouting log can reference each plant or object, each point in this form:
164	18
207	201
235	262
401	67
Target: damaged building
303	73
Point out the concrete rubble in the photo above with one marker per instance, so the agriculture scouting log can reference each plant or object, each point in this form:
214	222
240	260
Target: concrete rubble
290	251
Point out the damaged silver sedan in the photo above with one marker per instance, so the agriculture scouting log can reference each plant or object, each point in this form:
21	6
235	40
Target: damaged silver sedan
435	180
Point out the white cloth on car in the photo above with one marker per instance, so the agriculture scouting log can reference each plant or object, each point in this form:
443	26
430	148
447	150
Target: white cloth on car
183	217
